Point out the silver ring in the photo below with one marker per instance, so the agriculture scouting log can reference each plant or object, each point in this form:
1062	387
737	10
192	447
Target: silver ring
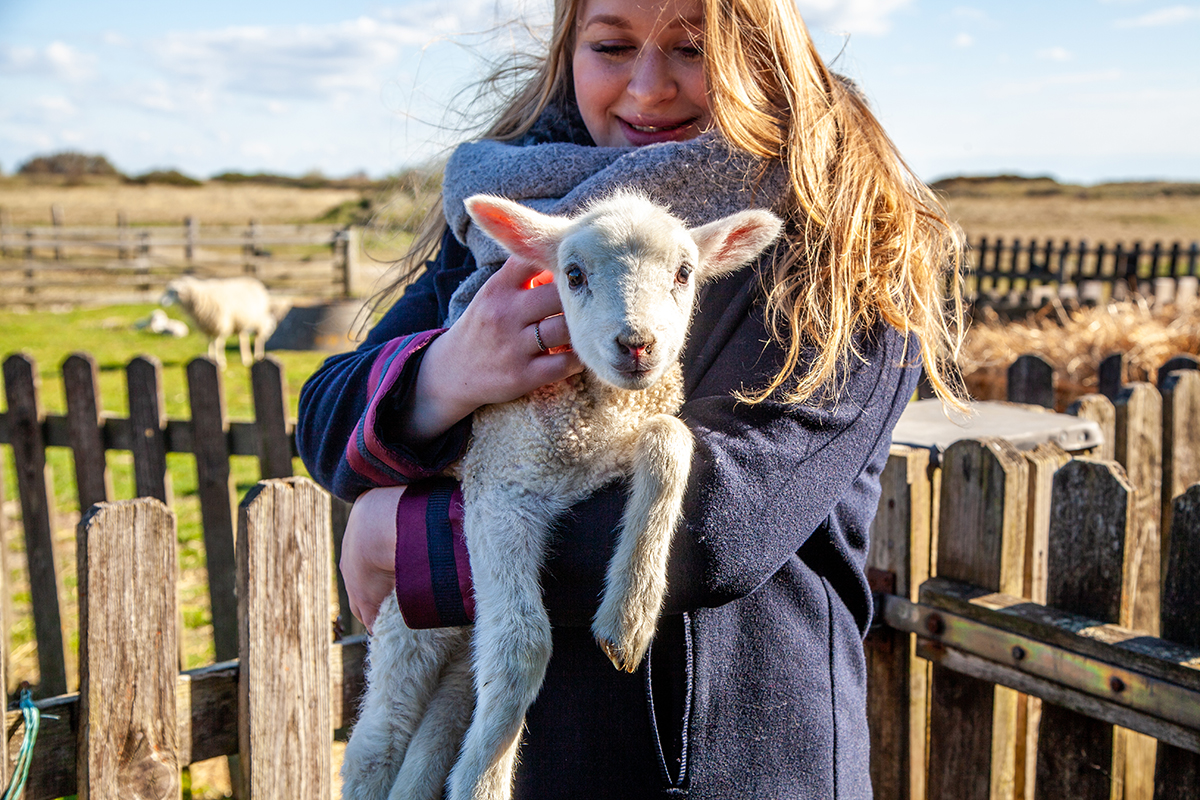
537	334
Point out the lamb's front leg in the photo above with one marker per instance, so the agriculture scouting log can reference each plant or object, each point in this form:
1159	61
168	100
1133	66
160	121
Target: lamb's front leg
636	582
511	643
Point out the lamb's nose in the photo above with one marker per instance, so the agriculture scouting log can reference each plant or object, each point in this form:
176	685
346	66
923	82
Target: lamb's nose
636	345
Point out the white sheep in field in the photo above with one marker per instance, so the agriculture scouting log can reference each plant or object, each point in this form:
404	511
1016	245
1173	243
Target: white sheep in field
222	307
158	322
627	272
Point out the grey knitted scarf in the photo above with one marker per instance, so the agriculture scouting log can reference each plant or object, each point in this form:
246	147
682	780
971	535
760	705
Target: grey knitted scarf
700	180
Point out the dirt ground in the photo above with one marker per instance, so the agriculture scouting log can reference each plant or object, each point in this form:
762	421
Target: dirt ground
1109	220
214	203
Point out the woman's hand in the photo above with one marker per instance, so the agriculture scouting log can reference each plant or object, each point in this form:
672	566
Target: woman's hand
491	354
368	562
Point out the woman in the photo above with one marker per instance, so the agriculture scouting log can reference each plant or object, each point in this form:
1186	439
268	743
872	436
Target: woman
796	371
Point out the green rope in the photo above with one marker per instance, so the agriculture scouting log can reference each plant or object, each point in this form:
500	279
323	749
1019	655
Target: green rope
33	718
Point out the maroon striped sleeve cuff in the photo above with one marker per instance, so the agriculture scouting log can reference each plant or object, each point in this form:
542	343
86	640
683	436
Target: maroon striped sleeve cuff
375	460
433	573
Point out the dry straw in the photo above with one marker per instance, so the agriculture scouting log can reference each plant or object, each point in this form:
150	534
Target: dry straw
1075	342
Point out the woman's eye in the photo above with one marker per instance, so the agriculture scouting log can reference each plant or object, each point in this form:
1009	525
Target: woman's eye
681	277
611	48
575	278
690	52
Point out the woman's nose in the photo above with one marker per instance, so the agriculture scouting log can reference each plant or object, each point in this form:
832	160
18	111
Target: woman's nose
652	80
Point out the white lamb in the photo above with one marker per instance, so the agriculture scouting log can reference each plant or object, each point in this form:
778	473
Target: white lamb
627	272
222	307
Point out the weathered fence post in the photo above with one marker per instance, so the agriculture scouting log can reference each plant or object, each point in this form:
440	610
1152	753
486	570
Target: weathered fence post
1043	461
339	516
191	227
1112	375
56	220
1180	444
1088	574
81	384
1099	409
5	224
981	541
210	443
349	242
285	721
122	236
128	651
270	414
148	423
35	487
1139	451
1177	775
1031	380
897	681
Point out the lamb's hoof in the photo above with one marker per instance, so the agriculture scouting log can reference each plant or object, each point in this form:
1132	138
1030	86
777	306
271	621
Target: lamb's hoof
616	655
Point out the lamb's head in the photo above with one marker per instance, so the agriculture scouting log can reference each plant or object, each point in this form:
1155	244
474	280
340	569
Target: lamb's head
627	271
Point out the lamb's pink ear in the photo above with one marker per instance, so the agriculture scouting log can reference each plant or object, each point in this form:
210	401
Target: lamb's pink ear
733	241
519	230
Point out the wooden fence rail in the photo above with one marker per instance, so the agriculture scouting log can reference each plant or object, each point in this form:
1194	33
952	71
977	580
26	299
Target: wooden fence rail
54	264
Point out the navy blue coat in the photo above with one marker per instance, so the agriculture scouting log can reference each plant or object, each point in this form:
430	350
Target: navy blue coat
755	686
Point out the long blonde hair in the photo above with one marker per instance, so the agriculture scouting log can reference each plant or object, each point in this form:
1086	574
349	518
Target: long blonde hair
869	241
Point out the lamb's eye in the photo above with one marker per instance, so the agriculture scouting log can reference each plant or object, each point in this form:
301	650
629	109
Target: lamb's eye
684	273
575	277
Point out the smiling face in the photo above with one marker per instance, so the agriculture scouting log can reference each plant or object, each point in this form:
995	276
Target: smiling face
639	71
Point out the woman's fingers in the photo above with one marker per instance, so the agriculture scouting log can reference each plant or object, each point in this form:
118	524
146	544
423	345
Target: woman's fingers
369	551
553	331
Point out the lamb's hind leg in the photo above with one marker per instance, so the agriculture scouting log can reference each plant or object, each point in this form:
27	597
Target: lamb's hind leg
436	744
403	670
511	645
636	582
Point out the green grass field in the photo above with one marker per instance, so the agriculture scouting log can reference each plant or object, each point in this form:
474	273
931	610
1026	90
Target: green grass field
108	334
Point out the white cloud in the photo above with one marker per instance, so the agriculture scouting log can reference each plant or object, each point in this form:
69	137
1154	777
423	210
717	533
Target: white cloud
851	16
56	59
1055	54
296	61
964	40
1164	16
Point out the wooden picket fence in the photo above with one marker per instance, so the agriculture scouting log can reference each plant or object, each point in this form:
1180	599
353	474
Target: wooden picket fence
1018	275
136	721
1039	631
1028	603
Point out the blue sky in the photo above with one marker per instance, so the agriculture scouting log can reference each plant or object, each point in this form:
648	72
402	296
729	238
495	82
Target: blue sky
1084	90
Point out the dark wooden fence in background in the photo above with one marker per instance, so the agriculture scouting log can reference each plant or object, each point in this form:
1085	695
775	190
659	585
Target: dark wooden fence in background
1026	273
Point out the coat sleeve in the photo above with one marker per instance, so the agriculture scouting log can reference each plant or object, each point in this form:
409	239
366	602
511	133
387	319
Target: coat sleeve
344	429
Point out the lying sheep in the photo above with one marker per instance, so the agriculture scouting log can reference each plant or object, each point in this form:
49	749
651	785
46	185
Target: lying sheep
158	322
627	272
222	307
